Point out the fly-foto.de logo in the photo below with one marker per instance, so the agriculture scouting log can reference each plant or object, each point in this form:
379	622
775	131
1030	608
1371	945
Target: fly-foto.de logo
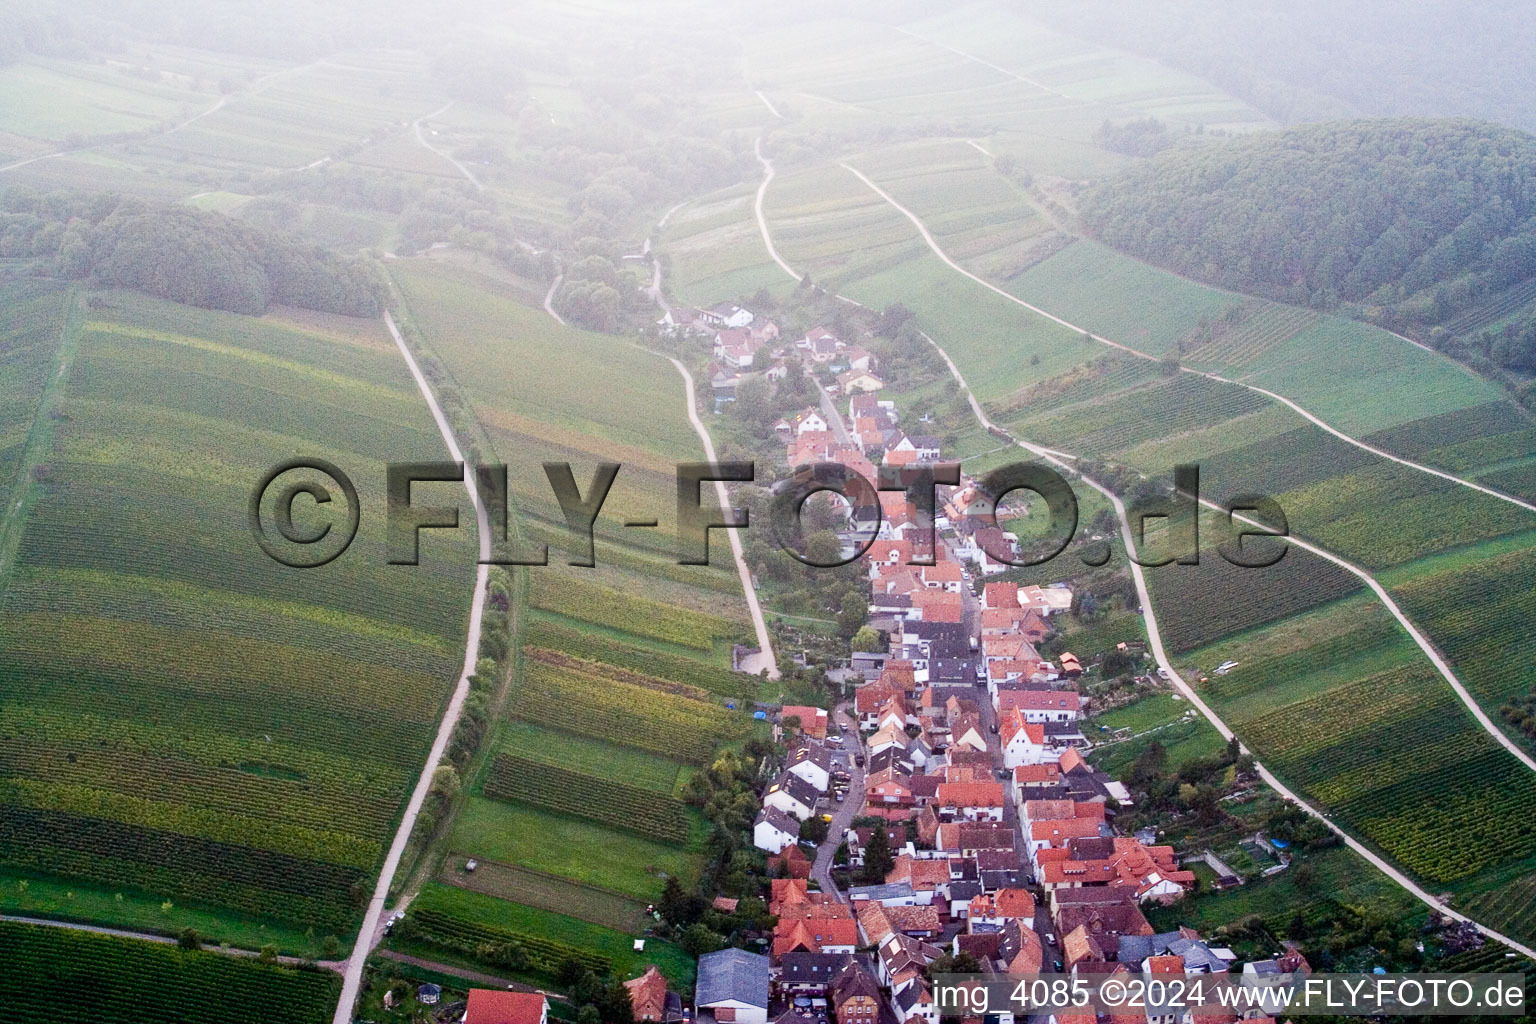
305	513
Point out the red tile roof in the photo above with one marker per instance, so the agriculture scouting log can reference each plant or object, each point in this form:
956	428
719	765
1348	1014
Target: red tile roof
488	1006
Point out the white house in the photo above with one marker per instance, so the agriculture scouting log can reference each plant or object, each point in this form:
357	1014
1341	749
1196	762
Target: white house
813	763
1023	742
792	795
726	314
810	421
774	830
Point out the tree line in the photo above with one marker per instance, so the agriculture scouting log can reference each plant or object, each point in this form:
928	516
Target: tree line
1408	221
177	253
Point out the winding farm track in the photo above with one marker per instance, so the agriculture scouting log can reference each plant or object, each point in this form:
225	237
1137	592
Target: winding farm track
1424	645
549	299
1288	403
421	138
371	932
1144	597
766	658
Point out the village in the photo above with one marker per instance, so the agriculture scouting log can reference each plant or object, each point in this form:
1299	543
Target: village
944	819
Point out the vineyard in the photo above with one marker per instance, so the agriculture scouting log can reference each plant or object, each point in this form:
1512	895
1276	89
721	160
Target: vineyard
584	796
581	643
1480	615
31	320
185	719
59	976
1101	377
1342	705
1492	422
636	716
1199	604
592	756
629	613
1120	420
1260	330
559	660
544	955
1388	514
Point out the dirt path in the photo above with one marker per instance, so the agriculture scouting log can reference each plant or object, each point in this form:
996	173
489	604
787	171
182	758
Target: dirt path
757	208
422	139
488	980
371	932
163	940
1288	403
1154	634
549	299
1160	655
765	659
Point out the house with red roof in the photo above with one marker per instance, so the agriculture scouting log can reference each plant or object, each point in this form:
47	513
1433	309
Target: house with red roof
489	1006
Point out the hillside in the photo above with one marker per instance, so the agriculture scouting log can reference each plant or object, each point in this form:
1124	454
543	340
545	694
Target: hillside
1412	221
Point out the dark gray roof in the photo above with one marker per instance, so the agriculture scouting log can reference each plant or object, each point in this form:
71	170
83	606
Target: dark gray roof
781	820
964	890
796	787
810	968
732	975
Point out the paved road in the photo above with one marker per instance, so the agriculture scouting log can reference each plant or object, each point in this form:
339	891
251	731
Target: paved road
1155	645
853	804
757	208
164	940
829	410
372	930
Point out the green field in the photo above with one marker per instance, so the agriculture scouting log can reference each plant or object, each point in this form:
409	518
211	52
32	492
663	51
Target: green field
190	721
53	974
561	846
616	946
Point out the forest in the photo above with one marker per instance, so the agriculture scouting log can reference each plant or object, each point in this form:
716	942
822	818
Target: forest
177	253
1409	221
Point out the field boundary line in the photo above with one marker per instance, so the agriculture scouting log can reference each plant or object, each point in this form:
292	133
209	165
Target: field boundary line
1293	406
1154	634
161	940
985	63
40	435
369	933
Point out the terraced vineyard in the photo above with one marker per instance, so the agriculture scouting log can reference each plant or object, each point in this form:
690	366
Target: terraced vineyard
191	723
629	613
622	713
1340	704
584	796
623	682
59	976
453	933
